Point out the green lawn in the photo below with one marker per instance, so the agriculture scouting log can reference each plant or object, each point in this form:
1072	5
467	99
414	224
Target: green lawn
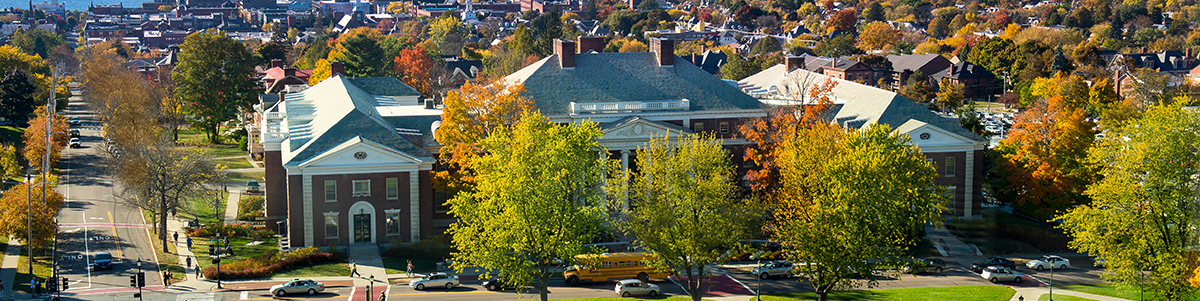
234	163
1106	289
224	150
240	250
975	292
1063	298
202	207
12	135
238	179
41	268
335	268
399	265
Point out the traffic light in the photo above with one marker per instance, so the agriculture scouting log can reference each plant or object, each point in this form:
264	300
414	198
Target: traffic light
51	285
133	281
212	250
65	284
141	279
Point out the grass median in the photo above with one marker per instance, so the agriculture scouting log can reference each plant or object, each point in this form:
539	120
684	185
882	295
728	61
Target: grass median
962	293
168	259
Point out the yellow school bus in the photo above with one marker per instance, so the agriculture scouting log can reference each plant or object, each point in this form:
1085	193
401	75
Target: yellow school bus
611	266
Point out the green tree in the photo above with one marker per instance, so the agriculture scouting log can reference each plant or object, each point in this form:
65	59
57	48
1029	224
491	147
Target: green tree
363	56
950	95
1143	215
683	205
738	67
648	5
535	172
17	93
449	33
214	79
766	45
839	46
37	41
874	12
8	161
851	203
547	27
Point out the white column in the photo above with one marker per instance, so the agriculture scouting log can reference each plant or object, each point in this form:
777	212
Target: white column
414	205
308	211
968	193
625	161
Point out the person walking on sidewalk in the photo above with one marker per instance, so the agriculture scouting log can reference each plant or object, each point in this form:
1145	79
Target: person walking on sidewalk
176	235
198	271
189	243
354	269
410	267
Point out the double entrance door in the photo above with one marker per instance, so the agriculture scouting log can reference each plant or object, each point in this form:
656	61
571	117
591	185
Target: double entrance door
362	228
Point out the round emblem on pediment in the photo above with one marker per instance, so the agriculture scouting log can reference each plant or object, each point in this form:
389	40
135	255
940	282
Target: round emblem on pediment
360	155
924	136
638	129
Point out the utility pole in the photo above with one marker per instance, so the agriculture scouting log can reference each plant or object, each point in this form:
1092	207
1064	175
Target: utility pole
29	220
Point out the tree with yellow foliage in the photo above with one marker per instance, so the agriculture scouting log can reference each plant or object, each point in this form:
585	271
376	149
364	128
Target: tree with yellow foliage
470	113
878	36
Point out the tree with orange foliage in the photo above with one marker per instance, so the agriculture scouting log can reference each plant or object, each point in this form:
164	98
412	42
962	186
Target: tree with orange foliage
878	36
843	20
35	138
469	115
1043	157
784	123
415	67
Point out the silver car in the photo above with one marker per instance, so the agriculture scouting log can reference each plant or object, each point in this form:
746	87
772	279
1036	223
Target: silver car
298	286
778	269
997	274
435	280
631	287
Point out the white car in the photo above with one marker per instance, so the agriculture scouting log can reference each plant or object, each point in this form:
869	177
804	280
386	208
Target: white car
631	287
778	269
1048	262
435	280
74	143
997	274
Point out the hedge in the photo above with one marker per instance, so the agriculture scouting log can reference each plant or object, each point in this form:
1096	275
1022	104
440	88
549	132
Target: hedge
265	265
250	207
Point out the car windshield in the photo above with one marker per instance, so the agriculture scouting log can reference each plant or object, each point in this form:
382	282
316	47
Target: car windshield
103	256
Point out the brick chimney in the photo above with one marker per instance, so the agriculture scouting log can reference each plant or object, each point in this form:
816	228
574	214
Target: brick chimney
1143	49
793	62
336	68
565	49
664	50
289	71
276	63
587	44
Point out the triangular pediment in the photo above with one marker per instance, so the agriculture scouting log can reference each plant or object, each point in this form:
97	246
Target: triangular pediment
360	152
928	135
638	129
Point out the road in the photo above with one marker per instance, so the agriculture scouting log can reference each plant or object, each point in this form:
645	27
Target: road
94	220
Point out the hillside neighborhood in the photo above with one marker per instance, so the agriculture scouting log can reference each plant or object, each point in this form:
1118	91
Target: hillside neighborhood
600	149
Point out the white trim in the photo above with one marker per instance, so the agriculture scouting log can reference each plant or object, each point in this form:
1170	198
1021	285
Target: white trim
357	140
272	147
387	194
325	191
336	221
387	212
318	171
414	206
660	116
354	188
361	207
308	210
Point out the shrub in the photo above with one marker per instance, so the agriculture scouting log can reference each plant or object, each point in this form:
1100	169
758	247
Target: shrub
265	265
436	248
232	230
250	207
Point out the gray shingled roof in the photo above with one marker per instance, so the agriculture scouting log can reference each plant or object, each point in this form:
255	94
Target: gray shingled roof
385	86
335	111
912	62
615	77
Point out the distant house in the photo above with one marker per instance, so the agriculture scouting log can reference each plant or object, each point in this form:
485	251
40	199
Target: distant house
956	153
905	65
460	71
710	61
1178	66
978	83
844	68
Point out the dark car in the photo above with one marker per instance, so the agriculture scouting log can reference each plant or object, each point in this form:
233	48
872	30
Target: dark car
102	261
924	266
74	133
993	262
252	187
495	284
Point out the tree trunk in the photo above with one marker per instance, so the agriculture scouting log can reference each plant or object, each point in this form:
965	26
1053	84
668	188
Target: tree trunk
822	296
162	222
213	136
543	286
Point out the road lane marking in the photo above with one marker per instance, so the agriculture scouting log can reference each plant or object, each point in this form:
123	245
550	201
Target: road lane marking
285	298
352	289
87	258
444	293
116	240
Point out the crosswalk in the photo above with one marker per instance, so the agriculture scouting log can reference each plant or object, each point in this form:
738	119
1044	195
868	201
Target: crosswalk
195	297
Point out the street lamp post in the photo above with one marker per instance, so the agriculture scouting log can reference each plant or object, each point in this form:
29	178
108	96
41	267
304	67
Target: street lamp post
1051	298
29	220
369	285
758	292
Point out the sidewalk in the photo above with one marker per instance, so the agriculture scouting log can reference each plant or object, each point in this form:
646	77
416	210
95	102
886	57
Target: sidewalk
8	270
947	243
369	264
1033	293
231	205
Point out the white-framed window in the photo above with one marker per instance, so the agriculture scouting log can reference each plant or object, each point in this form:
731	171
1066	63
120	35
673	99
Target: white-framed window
330	191
331	225
393	223
950	167
362	188
950	192
724	127
393	188
698	127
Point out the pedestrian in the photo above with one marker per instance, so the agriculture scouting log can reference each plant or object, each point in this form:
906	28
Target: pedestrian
410	267
176	235
354	269
198	271
189	262
229	250
167	278
189	243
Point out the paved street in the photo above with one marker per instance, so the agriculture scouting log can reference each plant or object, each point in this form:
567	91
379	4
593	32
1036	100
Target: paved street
94	219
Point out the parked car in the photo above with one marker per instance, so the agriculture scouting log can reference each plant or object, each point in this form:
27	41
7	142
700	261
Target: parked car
925	266
435	280
102	261
252	186
631	287
298	286
998	274
496	284
777	269
978	267
1100	262
74	133
1048	262
74	143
